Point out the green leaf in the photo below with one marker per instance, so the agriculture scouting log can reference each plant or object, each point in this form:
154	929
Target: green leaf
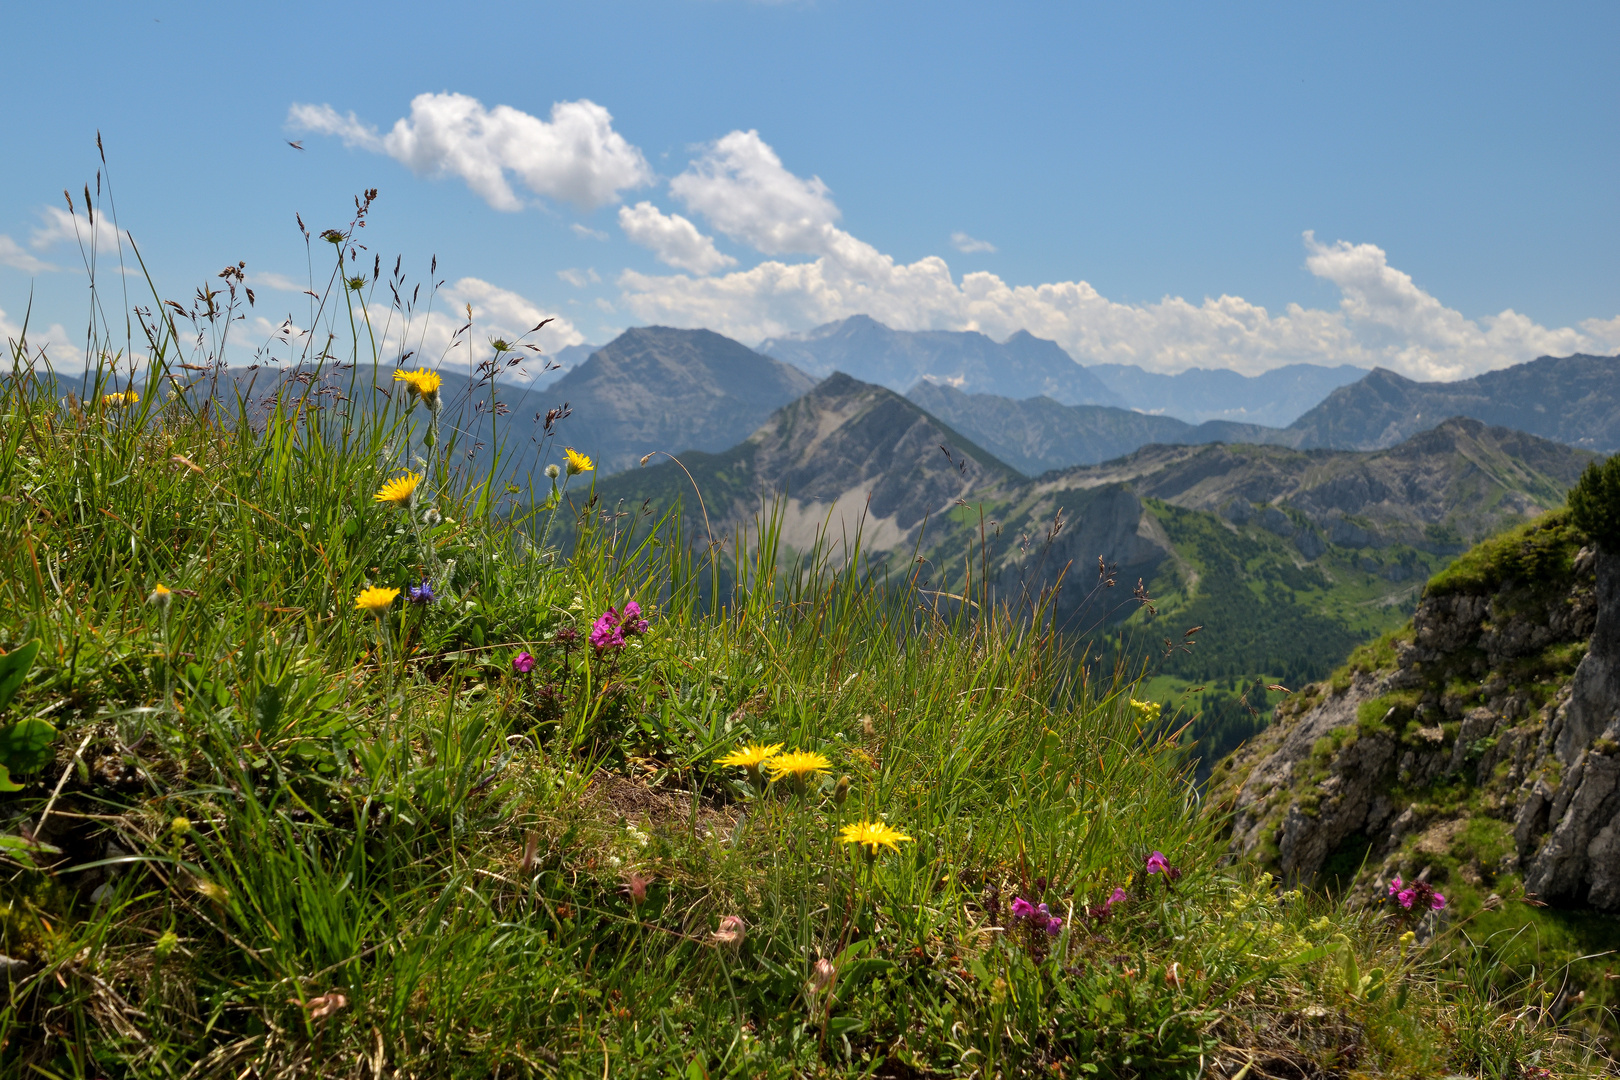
26	745
7	784
14	668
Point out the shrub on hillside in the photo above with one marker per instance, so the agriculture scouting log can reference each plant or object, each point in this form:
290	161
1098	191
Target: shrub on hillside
1594	503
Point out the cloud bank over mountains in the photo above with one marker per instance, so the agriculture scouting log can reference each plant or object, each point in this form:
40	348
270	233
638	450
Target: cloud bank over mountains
806	269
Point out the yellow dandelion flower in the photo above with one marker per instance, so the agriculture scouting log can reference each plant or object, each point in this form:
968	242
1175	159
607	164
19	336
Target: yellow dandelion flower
118	401
578	462
424	383
399	490
872	835
374	601
799	765
751	756
161	595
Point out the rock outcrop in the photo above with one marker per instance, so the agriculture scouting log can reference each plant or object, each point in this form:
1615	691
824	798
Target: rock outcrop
1482	740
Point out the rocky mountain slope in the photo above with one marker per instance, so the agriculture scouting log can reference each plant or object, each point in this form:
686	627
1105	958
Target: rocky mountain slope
1022	366
657	388
1273	398
1477	747
1037	434
1572	399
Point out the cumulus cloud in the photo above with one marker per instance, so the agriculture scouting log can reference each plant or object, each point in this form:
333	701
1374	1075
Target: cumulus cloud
13	255
60	227
674	239
497	312
54	343
964	243
575	157
741	187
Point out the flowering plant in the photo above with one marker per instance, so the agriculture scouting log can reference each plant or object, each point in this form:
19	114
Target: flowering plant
613	626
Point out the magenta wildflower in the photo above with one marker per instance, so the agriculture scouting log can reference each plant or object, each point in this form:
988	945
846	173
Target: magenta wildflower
1396	886
605	633
1039	916
522	663
1437	901
1021	908
1157	863
1117	898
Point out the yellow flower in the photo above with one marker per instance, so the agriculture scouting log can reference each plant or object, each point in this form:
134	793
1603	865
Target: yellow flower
872	835
1147	710
374	601
161	595
751	756
799	764
578	462
424	383
118	401
399	490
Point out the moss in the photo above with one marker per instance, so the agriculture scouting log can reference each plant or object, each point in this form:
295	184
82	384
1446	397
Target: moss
1375	715
1539	552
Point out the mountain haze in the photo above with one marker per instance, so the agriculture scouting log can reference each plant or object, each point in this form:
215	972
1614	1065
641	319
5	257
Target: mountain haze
658	388
1273	398
1038	434
1573	399
1022	366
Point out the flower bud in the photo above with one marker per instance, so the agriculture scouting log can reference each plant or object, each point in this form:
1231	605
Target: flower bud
841	792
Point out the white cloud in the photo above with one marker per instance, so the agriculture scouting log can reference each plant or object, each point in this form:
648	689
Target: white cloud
1384	318
269	279
54	342
580	278
13	255
964	243
739	184
61	227
575	157
605	305
497	312
586	233
672	238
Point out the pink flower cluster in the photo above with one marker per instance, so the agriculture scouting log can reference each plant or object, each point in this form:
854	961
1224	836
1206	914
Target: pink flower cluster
1038	916
1419	893
610	630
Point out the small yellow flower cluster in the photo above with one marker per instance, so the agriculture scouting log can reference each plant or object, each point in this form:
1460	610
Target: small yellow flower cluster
119	401
1146	711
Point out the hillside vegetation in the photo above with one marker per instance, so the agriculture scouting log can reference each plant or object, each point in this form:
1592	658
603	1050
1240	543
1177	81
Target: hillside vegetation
320	765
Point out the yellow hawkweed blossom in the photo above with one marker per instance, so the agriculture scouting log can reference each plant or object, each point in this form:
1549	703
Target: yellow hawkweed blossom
578	462
118	401
399	490
798	765
374	601
873	834
424	383
751	756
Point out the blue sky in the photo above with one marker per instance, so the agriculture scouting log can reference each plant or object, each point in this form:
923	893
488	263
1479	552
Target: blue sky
1429	187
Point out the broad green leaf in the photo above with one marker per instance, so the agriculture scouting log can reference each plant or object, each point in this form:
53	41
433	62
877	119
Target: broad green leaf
7	784
26	745
14	668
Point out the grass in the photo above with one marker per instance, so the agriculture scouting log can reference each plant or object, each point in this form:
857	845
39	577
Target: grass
280	836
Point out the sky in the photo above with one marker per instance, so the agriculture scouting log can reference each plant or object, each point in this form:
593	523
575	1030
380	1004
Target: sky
1430	188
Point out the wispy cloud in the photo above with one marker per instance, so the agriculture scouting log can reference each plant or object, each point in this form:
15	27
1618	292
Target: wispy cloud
269	279
579	278
585	232
13	255
57	226
575	157
964	243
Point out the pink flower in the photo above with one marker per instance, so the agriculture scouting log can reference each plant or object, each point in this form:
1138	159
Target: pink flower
522	663
1021	908
1054	924
632	622
605	632
1117	898
731	930
1437	901
1396	886
1406	896
1157	863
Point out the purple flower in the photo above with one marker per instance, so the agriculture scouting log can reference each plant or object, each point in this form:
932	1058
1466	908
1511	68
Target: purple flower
1437	901
1021	908
1157	863
1054	925
421	594
1396	886
632	622
605	633
1117	898
1406	896
522	663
